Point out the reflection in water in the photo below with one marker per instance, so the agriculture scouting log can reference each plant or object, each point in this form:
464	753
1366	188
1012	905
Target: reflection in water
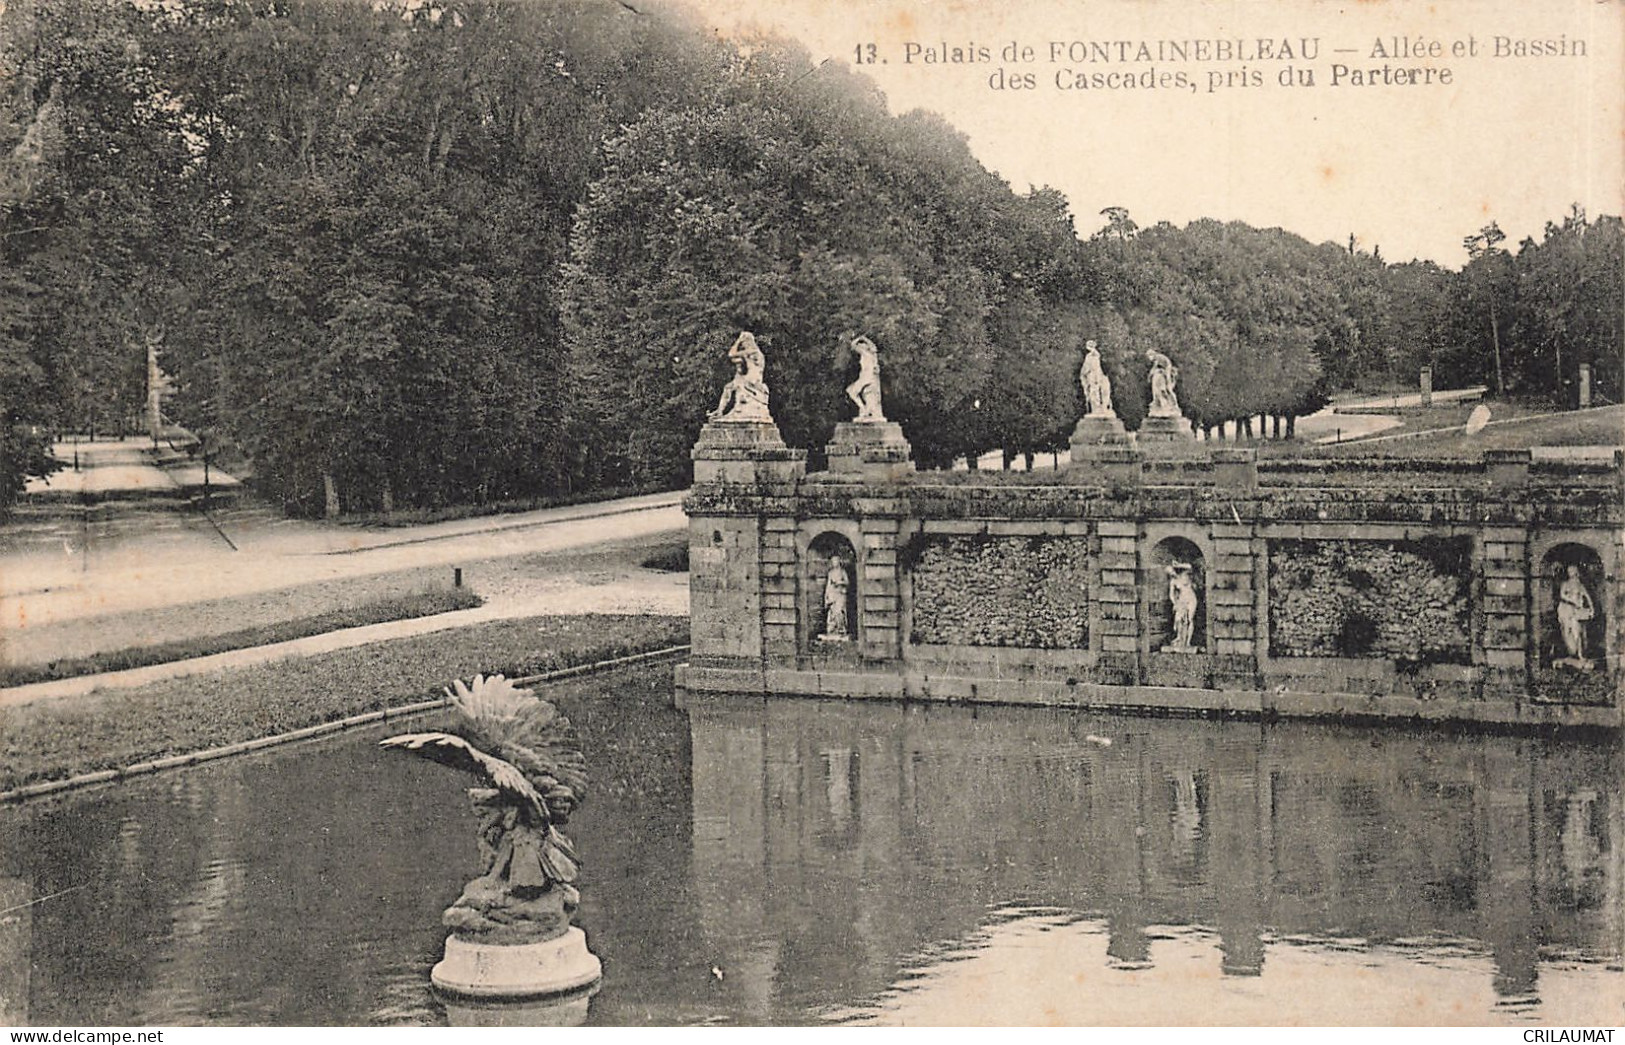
567	1010
16	931
1302	857
798	862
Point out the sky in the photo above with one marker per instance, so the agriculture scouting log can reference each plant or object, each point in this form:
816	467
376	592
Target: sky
1407	168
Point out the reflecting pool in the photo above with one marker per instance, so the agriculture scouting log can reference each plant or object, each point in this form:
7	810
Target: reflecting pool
804	862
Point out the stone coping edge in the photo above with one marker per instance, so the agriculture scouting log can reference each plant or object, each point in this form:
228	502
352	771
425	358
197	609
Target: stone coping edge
243	747
928	688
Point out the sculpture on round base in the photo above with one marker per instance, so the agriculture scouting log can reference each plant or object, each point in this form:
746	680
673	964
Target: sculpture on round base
475	969
511	935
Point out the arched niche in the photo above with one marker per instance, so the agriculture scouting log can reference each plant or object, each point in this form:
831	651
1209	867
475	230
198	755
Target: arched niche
829	586
1572	603
1176	566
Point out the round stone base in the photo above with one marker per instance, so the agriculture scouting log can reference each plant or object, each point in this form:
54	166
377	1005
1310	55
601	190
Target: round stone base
516	970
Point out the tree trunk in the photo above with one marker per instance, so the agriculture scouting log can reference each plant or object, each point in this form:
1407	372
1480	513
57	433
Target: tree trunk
1495	337
389	498
1247	426
330	488
1291	426
1562	397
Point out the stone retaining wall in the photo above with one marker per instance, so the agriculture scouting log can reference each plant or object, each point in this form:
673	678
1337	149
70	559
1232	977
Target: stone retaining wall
1326	589
1031	592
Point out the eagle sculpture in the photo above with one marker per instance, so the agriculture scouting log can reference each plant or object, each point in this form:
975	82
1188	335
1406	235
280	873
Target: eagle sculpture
522	747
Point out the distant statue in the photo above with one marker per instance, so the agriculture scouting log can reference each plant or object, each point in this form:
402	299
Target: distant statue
836	584
1097	387
523	750
744	398
1574	609
1164	375
865	391
1182	594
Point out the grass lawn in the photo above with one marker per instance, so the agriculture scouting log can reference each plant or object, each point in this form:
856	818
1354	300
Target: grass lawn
405	607
450	512
56	739
1527	427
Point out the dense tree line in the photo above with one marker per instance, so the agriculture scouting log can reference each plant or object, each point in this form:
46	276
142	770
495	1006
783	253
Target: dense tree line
432	251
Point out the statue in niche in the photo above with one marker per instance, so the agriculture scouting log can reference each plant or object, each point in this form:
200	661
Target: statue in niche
865	391
1164	375
1574	610
837	582
1097	387
523	750
1182	594
744	398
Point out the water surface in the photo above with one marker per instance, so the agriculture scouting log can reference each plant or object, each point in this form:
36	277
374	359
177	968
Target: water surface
807	862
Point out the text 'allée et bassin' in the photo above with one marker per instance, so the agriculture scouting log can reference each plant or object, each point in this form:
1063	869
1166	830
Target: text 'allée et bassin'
1213	64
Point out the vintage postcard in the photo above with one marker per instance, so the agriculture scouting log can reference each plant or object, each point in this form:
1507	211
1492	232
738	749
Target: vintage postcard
884	512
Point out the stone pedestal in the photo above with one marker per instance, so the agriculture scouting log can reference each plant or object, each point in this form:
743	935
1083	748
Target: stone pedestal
1235	468
554	966
870	449
1163	431
1094	432
745	452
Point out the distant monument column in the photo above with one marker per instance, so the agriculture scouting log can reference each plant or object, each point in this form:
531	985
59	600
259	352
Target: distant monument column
159	385
1427	386
1585	385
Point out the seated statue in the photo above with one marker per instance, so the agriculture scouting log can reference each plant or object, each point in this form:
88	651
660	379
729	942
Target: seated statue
744	398
1163	377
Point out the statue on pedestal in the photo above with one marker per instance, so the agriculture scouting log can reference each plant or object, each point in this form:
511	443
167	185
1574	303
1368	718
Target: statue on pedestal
511	931
837	626
744	397
1182	594
1574	610
1164	375
1097	387
865	391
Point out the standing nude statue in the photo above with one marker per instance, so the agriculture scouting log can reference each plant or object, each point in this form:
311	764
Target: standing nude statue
1097	387
836	583
1182	593
1574	609
865	391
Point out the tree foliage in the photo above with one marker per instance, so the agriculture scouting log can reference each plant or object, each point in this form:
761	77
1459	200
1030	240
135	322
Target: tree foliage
411	252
